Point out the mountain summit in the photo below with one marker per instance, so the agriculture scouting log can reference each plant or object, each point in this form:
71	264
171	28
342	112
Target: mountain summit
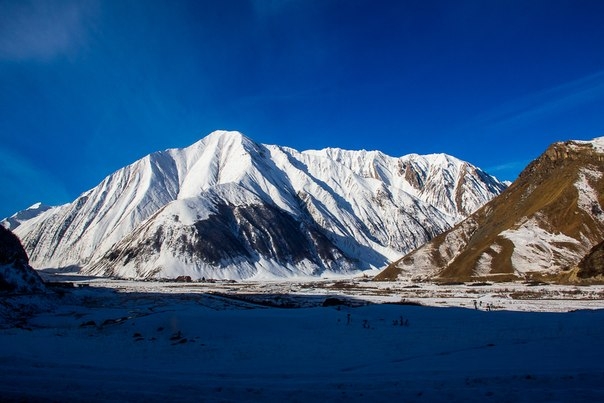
227	207
542	226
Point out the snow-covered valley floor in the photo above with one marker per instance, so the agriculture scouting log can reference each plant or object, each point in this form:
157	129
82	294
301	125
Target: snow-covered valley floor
111	340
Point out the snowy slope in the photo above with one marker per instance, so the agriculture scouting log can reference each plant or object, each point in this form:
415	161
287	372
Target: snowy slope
227	207
542	226
454	186
29	213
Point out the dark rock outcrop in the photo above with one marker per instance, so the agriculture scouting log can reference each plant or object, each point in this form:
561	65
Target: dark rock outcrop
592	265
16	275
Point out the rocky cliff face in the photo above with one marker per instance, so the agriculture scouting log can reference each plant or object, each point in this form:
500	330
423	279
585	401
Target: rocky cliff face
542	225
16	276
592	265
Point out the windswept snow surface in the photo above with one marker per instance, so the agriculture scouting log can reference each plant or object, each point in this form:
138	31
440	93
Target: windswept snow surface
588	196
535	248
143	341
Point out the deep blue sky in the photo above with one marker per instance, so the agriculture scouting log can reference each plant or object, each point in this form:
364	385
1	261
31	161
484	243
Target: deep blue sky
87	87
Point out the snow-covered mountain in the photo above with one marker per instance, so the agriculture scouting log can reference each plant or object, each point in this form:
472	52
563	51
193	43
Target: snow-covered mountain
227	207
541	227
16	219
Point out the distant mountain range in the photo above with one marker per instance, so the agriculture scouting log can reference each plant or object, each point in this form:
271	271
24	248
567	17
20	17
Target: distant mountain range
548	225
227	207
31	212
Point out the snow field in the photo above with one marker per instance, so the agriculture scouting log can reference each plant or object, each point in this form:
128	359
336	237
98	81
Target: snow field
164	343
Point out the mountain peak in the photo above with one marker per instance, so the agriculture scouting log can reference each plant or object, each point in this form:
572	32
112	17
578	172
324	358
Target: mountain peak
227	207
32	211
596	143
220	139
227	136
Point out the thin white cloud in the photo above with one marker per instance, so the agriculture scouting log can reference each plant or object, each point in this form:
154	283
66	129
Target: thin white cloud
562	98
508	170
509	165
43	29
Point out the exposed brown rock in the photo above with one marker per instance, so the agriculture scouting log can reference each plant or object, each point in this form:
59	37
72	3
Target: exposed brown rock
592	265
545	193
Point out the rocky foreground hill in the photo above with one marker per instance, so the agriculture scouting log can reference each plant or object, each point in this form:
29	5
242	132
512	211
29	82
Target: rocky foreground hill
543	226
16	275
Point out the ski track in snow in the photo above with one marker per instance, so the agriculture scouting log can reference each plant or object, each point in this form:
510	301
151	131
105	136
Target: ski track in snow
148	341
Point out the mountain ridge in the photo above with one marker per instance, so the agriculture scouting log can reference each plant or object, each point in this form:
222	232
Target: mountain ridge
540	227
354	218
